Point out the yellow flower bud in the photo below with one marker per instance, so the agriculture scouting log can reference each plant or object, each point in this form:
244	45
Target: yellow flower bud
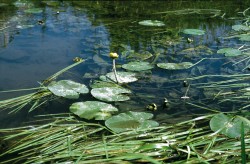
113	55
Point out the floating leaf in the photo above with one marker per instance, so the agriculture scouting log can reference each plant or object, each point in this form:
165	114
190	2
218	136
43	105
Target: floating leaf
68	89
130	121
123	77
33	11
3	4
175	66
244	37
137	66
229	51
229	125
110	94
51	3
24	26
141	55
102	84
93	109
194	32
240	28
151	23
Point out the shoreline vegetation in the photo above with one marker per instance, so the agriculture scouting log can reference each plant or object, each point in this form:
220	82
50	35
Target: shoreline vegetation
67	138
100	131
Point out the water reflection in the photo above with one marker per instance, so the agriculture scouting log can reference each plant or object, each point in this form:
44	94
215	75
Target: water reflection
33	46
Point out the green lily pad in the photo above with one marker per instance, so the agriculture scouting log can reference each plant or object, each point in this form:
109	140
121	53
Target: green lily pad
3	4
151	23
33	11
175	66
131	121
240	28
229	52
110	94
23	4
244	37
194	32
229	125
102	84
137	66
93	109
141	55
51	3
123	77
68	89
24	26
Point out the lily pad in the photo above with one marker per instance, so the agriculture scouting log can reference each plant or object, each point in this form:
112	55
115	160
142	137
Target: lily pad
131	121
229	125
68	89
110	94
51	3
23	4
229	52
151	23
33	11
194	32
240	28
24	26
102	84
123	77
175	66
141	55
93	109
3	4
137	66
244	37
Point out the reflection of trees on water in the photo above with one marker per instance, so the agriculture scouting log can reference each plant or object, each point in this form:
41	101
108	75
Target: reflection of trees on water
6	14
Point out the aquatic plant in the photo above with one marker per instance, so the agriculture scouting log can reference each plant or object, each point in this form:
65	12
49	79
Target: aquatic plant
47	91
133	136
67	139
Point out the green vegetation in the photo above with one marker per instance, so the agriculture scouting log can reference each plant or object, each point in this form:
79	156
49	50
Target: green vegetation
102	131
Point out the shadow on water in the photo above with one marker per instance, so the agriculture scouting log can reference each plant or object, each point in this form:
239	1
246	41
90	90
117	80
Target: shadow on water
33	46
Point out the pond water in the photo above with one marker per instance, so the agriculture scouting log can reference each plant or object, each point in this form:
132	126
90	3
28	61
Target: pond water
35	44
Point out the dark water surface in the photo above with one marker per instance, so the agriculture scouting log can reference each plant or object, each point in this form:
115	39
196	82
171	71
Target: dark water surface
34	46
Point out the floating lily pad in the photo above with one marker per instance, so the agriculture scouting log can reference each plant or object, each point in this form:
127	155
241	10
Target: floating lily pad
131	121
93	109
240	28
68	89
51	3
229	125
141	55
3	4
244	37
229	51
151	23
102	84
24	26
193	51
33	11
23	4
137	66
194	32
123	77
175	66
110	94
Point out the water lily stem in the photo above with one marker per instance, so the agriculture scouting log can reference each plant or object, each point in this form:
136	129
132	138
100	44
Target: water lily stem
114	69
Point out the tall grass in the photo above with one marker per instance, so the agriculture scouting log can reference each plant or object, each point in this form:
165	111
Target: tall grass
67	139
